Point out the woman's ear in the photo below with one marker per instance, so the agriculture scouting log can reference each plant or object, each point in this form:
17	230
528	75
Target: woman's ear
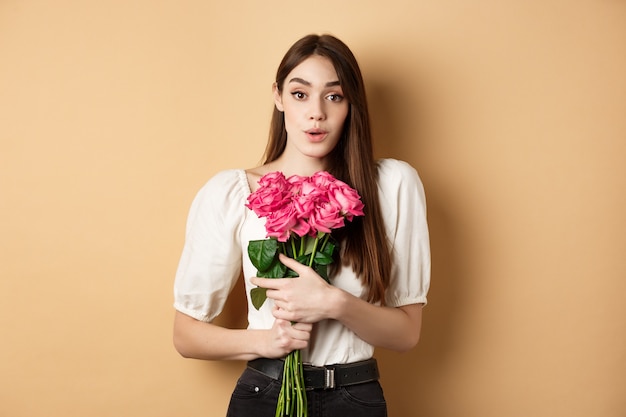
278	98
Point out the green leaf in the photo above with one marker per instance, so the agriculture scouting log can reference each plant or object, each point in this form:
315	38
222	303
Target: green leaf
258	296
322	259
322	271
329	249
263	253
309	244
304	259
276	270
290	273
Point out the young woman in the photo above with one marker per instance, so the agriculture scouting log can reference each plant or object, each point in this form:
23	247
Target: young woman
378	287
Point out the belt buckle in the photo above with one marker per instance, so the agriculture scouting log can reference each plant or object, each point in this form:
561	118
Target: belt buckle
329	378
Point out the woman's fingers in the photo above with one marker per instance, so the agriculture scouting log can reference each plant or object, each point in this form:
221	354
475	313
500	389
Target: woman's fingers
289	337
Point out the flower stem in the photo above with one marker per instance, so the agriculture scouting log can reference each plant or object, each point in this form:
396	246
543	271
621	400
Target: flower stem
317	239
292	400
326	237
293	247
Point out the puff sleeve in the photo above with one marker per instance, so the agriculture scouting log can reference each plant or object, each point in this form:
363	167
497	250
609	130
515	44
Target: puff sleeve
210	263
403	205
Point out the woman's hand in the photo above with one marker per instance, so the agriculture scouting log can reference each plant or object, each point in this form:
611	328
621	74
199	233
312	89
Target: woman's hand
285	337
304	299
309	299
201	340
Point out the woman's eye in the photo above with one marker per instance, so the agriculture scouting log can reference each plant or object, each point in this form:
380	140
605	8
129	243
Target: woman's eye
335	97
298	95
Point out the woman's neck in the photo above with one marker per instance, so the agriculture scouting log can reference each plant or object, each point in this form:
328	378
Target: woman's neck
296	166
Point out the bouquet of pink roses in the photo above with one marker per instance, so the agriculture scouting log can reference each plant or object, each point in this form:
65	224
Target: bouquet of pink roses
300	214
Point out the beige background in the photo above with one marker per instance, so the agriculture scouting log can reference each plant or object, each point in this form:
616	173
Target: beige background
114	113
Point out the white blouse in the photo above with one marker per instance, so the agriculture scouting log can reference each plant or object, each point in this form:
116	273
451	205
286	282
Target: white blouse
219	228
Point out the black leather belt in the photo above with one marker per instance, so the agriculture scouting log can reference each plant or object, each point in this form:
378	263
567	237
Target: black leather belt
322	377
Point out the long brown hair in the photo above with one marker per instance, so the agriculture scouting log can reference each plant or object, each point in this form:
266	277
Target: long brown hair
364	239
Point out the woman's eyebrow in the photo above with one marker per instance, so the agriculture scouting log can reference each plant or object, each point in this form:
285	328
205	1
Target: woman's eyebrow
308	84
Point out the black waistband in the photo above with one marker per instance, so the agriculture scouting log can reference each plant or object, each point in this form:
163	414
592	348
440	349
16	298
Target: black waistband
323	377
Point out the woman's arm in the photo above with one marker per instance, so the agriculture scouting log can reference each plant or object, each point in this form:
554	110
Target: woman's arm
310	299
200	340
395	328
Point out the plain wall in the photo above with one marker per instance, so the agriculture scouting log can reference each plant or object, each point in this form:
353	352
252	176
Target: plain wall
114	113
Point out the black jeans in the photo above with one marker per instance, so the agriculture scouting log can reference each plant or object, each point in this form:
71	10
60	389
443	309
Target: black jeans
255	395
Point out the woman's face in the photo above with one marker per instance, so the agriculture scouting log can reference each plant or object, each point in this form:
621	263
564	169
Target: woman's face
314	107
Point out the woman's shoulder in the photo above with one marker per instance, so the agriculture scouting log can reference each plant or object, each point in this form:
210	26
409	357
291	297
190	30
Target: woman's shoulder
394	170
225	188
228	179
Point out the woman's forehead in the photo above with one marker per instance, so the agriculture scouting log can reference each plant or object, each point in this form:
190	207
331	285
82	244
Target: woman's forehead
315	70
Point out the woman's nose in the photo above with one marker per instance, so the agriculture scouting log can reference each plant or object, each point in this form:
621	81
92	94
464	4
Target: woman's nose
317	111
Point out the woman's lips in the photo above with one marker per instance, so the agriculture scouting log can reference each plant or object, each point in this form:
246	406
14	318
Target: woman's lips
316	135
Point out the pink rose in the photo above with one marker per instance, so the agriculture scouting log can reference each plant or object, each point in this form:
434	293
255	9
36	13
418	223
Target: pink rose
294	184
326	217
272	195
347	199
314	191
273	180
281	223
303	205
265	201
301	228
323	179
309	198
340	193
